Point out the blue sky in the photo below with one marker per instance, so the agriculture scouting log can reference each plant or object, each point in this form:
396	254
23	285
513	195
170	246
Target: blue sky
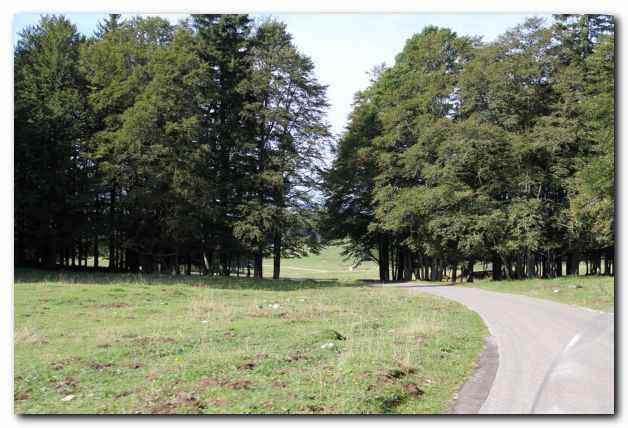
345	47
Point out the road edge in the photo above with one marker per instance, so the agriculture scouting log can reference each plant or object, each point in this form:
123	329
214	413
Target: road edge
474	391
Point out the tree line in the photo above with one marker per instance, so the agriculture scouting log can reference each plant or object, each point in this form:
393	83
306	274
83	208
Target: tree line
197	147
165	147
501	154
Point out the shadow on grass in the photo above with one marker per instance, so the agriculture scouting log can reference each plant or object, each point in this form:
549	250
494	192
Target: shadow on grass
29	275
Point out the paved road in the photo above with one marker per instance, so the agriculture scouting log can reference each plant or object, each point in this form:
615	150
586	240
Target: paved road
529	335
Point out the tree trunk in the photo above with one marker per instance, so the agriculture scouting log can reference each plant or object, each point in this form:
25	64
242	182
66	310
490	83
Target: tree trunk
544	267
454	272
531	265
112	233
573	263
188	264
470	271
518	267
177	268
597	262
497	268
558	266
276	254
96	253
608	260
223	262
134	261
206	264
398	265
506	267
257	265
80	253
407	265
435	270
383	261
20	250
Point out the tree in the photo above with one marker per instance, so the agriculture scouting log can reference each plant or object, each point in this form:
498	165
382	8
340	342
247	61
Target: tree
222	43
52	123
116	67
286	106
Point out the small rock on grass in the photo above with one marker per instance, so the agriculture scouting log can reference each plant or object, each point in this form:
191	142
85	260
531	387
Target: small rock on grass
275	306
327	345
68	398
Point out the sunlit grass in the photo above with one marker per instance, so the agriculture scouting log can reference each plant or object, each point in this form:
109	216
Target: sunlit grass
595	292
116	343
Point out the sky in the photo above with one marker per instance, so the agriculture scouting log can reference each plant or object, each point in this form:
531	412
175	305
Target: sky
344	47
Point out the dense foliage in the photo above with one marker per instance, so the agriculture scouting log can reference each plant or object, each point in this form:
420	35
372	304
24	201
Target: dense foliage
502	153
165	146
162	147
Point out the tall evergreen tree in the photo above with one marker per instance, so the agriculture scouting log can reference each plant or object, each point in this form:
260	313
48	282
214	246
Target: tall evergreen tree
286	107
52	123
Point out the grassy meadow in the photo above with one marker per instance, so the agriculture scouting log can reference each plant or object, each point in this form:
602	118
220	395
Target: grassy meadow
116	343
328	265
594	292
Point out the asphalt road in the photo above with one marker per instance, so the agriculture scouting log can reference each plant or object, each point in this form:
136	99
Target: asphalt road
545	357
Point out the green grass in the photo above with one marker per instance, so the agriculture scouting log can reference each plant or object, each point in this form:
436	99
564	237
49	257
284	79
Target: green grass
595	292
328	265
131	344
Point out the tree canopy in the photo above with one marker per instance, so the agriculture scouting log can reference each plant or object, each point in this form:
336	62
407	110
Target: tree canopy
197	146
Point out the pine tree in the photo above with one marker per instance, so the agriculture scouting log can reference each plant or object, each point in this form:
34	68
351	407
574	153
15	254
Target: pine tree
51	122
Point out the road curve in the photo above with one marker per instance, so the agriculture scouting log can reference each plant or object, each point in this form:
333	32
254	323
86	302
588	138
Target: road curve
533	336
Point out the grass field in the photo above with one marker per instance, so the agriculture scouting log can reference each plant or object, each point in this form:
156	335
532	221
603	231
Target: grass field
115	343
328	265
595	292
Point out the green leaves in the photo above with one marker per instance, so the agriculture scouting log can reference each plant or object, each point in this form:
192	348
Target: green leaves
485	150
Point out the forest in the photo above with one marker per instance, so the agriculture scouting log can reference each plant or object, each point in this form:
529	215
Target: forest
198	147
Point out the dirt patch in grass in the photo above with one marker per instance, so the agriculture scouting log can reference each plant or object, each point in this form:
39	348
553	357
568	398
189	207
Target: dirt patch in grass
411	388
296	359
229	383
109	305
279	384
130	392
146	341
136	365
247	366
217	402
315	313
101	366
21	396
164	409
59	365
260	314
